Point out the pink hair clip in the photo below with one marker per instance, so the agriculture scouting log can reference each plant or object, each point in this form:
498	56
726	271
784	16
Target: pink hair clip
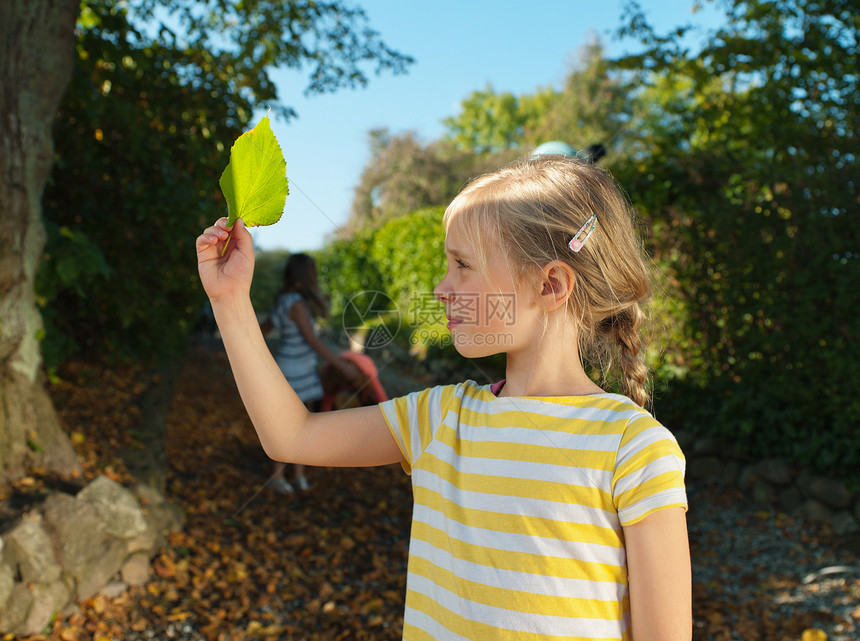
582	235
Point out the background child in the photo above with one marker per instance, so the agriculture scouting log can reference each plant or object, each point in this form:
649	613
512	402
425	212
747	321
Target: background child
296	305
544	507
363	388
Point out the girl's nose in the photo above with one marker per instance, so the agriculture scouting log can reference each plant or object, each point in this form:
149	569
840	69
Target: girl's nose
442	291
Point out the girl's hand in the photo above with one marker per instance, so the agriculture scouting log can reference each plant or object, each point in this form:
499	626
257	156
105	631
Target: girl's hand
229	274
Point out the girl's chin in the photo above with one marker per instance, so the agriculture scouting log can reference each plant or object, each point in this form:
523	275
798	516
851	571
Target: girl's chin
467	349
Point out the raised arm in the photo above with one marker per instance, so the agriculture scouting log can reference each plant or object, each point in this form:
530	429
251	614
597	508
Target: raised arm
287	431
658	564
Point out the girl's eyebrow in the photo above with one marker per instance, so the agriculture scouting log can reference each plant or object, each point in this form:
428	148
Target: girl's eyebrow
454	251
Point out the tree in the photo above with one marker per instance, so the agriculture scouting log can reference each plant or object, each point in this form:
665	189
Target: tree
593	106
154	70
36	53
401	176
491	122
747	169
404	175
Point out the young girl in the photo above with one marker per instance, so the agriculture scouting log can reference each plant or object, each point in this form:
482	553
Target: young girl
363	389
545	507
298	301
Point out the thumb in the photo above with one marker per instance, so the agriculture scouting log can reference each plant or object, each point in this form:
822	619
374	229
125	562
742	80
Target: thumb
241	234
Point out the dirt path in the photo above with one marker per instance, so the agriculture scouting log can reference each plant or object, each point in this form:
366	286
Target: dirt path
330	564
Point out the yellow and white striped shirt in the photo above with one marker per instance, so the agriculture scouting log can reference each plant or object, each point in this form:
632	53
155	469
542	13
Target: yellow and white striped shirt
519	504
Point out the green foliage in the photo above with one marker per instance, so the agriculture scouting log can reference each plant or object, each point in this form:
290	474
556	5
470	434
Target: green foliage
593	106
742	159
71	263
746	167
489	122
405	175
238	43
161	88
138	155
347	268
404	258
268	278
412	249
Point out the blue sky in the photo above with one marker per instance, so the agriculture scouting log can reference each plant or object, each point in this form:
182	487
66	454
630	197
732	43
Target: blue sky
459	46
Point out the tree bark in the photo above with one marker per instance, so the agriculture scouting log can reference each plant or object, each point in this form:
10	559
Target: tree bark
37	39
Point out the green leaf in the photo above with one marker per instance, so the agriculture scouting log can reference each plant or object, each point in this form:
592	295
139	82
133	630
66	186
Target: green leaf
254	182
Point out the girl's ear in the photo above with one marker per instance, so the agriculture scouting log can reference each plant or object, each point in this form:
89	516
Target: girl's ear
557	284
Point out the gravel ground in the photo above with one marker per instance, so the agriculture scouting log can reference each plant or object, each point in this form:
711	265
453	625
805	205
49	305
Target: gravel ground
762	574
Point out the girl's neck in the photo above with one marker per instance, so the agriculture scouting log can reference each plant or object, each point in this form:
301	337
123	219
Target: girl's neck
551	367
528	380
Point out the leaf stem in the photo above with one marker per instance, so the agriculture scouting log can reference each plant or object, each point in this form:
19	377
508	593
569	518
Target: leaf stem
224	249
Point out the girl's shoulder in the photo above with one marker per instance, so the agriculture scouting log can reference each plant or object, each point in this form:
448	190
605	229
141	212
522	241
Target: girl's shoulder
447	396
484	397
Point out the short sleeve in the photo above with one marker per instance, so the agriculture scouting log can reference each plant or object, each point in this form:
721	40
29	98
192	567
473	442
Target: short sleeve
413	420
649	471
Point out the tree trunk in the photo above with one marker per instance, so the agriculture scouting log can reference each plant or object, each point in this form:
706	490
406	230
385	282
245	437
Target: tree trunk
37	40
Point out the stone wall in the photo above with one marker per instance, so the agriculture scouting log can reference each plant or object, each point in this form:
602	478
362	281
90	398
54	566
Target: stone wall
73	547
774	481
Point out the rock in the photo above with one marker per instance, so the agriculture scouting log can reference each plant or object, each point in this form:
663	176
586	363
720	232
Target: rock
851	544
774	471
151	539
135	571
7	580
816	511
731	471
116	506
80	533
89	554
804	480
148	495
708	467
91	577
28	549
114	589
48	599
790	499
706	445
831	492
165	518
762	492
685	440
746	477
845	524
14	612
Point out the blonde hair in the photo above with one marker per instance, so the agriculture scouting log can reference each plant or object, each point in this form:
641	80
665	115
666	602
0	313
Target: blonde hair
531	209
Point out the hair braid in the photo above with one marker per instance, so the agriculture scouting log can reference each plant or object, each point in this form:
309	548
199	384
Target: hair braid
624	330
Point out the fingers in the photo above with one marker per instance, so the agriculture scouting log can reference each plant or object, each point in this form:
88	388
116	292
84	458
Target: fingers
223	236
218	232
210	237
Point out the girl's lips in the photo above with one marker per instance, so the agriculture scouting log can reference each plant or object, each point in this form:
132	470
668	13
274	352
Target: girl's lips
453	322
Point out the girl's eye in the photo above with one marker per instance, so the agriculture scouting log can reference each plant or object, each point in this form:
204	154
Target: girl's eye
461	264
